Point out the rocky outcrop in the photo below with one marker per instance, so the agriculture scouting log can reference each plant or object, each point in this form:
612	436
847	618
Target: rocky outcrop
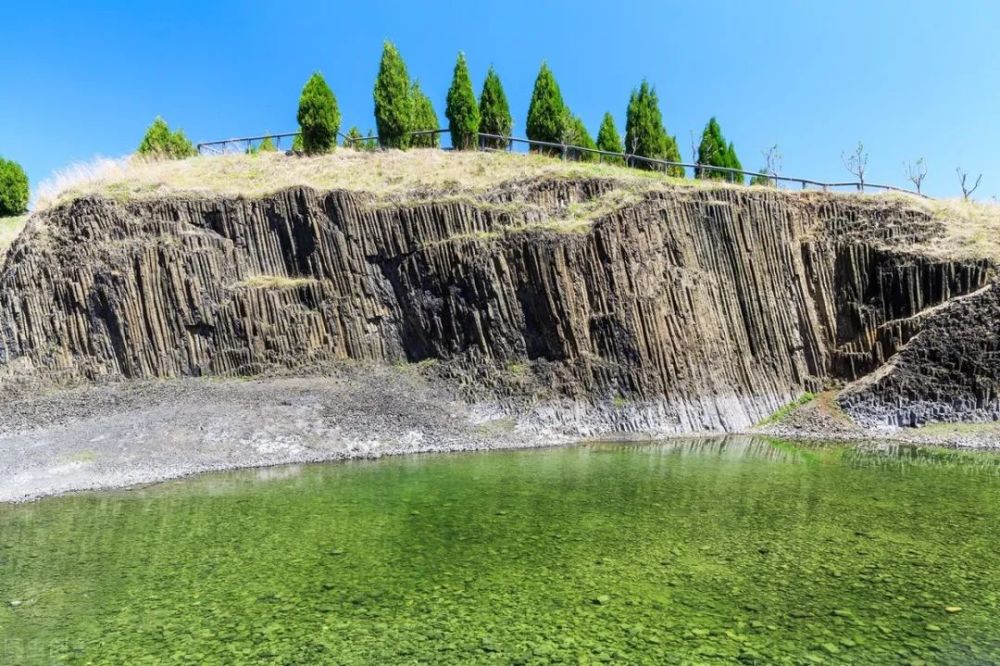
673	310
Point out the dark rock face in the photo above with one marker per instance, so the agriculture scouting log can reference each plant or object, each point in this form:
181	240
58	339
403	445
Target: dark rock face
691	309
949	370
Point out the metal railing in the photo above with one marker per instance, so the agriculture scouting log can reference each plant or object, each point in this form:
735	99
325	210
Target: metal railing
565	151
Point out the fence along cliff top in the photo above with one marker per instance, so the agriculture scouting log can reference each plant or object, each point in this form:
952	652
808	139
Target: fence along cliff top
566	151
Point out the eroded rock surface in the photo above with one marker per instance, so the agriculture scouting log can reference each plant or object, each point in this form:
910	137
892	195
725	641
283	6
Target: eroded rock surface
687	309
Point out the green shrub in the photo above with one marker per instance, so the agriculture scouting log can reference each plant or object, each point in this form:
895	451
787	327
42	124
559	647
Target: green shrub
461	110
13	189
393	102
546	112
609	140
424	118
645	135
494	112
160	142
318	116
297	143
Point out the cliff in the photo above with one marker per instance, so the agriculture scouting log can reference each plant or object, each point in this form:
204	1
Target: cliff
587	301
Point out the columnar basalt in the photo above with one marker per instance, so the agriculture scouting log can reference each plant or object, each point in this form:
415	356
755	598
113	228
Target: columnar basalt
675	309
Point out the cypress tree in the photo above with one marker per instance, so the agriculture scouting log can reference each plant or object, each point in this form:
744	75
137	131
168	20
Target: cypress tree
546	113
352	139
577	135
461	110
645	135
733	162
609	140
494	112
13	188
424	118
712	151
318	116
393	103
160	142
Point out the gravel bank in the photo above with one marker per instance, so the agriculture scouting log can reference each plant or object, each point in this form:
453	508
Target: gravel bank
134	433
141	432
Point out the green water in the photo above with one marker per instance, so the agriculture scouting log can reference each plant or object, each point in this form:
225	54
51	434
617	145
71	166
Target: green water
694	552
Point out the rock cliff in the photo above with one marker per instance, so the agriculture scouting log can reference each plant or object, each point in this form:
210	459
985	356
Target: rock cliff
671	309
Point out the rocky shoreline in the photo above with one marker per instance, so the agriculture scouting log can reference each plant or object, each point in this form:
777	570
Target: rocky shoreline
127	434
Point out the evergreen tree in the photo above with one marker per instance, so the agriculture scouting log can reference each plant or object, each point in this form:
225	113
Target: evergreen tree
461	110
609	140
297	143
712	151
494	112
265	146
733	162
393	103
159	142
576	134
645	135
353	139
546	113
318	116
424	118
372	143
13	188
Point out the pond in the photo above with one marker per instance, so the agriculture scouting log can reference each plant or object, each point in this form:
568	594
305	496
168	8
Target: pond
714	551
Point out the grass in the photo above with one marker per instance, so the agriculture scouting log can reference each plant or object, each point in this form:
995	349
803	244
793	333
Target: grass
968	230
388	175
275	282
784	411
10	227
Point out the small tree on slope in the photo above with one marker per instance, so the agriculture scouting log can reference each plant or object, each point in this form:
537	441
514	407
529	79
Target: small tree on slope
494	112
318	116
393	102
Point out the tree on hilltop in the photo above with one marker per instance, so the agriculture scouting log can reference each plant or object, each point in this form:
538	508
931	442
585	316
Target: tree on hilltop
575	134
733	162
424	118
160	143
494	112
13	188
546	112
393	102
712	151
645	134
461	110
609	140
318	116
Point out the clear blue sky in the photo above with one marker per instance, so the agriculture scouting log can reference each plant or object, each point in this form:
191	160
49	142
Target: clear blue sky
910	78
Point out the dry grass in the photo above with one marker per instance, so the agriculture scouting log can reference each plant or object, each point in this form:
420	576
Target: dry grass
10	227
275	282
970	230
388	175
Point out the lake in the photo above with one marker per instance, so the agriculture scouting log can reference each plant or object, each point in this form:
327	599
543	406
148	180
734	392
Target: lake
711	551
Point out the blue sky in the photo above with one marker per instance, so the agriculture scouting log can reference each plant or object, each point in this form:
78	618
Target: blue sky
909	78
